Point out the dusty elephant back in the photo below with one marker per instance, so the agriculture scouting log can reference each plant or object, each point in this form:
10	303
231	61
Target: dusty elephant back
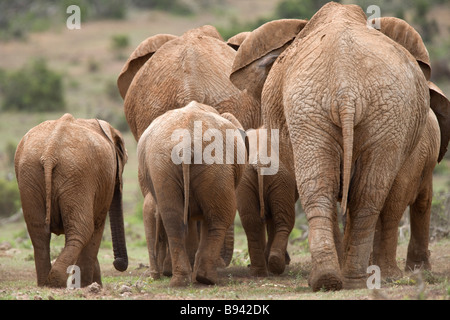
191	67
195	120
193	128
73	147
364	70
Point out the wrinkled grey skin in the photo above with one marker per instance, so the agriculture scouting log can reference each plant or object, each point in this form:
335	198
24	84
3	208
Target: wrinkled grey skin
353	105
69	173
413	187
187	193
267	202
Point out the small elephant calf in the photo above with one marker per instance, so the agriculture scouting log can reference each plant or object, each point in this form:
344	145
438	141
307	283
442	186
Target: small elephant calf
267	202
192	180
69	173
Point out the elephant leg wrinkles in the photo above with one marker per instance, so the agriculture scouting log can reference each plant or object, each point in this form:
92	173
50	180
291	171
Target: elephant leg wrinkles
418	254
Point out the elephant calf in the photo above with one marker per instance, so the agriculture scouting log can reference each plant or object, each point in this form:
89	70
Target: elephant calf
69	173
267	201
192	180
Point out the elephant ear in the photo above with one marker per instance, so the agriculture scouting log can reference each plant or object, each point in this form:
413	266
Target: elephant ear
230	117
404	34
116	139
260	49
441	107
138	58
236	40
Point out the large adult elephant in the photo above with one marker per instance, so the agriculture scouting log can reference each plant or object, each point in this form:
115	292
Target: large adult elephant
69	173
353	103
167	72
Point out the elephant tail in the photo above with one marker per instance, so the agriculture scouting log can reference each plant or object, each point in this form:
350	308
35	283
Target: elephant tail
186	179
260	192
347	117
48	164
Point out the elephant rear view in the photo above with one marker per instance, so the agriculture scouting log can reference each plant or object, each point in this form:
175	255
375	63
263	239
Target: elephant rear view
353	103
193	180
167	72
69	173
266	201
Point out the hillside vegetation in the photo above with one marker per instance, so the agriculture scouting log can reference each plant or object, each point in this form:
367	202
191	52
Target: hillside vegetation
47	70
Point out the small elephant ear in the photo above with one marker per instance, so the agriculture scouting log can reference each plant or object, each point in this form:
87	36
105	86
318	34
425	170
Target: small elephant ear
138	58
106	129
236	40
232	119
441	107
263	42
404	34
116	139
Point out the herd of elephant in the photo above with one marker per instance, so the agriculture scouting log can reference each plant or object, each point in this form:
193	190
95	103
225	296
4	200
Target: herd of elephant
359	124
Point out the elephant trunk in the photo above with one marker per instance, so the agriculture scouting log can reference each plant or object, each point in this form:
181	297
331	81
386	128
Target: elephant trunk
117	230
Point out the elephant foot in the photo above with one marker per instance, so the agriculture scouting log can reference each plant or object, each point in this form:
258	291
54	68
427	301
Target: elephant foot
416	261
180	281
328	280
221	263
391	272
155	275
355	283
167	273
277	263
55	280
258	272
206	277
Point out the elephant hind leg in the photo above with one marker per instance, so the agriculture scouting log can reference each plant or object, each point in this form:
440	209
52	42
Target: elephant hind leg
79	229
418	254
58	275
208	254
149	216
279	228
216	221
39	238
88	262
254	229
325	273
372	182
172	216
317	167
386	238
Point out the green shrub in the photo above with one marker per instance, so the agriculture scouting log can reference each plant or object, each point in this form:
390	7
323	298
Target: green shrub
9	198
120	41
173	6
98	9
34	88
295	9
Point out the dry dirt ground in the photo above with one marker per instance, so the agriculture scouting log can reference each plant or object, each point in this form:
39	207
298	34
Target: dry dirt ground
18	282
